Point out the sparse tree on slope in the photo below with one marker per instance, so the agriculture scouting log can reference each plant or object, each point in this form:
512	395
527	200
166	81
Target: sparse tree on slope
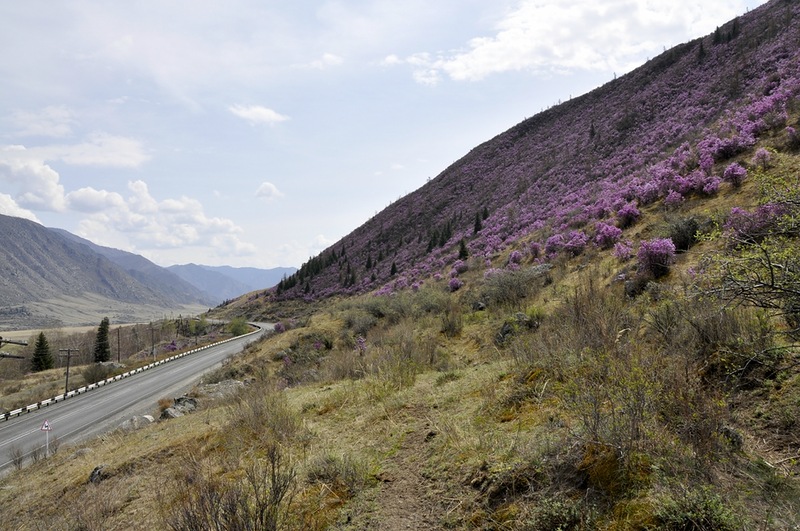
102	348
42	358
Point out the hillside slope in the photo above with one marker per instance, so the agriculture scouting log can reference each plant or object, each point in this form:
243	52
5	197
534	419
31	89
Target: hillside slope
45	275
159	278
582	161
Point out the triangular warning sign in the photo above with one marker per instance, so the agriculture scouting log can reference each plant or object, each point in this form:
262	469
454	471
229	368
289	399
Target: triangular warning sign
46	426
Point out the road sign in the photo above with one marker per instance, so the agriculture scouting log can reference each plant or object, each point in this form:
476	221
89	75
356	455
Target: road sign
46	426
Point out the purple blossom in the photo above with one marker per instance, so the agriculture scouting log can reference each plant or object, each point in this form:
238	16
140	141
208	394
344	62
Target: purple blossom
606	235
628	215
279	327
554	244
515	257
655	256
745	226
455	284
623	250
735	174
762	158
674	199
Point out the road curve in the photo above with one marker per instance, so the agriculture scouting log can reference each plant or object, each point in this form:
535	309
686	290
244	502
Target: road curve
105	408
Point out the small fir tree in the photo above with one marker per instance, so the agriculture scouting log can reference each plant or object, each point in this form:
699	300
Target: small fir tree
102	348
463	253
42	358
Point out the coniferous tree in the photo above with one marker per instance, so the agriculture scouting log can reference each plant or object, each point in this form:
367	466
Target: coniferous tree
478	223
42	358
463	253
102	348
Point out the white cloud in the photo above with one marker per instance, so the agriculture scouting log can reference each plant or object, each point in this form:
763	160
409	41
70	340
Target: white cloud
103	149
256	114
548	36
328	60
268	191
146	224
9	207
90	200
37	184
99	149
52	121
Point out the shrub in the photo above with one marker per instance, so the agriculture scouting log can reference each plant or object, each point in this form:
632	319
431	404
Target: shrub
344	475
683	233
762	158
743	226
656	256
95	372
735	174
793	137
696	509
606	235
623	251
674	199
554	244
511	287
576	243
628	215
455	284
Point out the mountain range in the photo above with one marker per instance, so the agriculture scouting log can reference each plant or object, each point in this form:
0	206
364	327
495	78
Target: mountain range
51	277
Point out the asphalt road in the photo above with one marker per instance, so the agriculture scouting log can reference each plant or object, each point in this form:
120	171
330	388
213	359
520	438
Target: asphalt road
104	408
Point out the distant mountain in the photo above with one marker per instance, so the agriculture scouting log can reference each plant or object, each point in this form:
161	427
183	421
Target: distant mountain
162	279
225	282
49	277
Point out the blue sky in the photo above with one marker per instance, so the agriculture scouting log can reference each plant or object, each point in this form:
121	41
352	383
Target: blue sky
259	132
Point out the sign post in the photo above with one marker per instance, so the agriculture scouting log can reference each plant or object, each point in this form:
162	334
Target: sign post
46	429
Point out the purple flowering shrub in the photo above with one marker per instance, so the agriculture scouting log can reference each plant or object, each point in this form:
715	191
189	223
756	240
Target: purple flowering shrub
743	226
623	251
606	235
762	158
793	138
655	257
735	174
455	284
628	214
279	327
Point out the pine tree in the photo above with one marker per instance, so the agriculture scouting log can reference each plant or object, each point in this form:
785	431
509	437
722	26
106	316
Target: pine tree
102	348
478	223
42	358
463	253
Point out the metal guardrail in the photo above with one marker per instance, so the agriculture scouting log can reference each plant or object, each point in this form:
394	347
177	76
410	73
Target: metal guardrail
86	388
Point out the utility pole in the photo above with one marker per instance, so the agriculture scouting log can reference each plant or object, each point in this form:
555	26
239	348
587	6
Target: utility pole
11	341
152	342
119	349
69	352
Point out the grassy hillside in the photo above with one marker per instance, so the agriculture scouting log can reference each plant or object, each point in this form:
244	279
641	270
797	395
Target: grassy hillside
584	392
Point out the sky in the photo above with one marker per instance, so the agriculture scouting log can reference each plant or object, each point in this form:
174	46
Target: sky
256	133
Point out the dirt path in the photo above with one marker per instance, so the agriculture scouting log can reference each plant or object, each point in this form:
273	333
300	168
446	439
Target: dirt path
408	497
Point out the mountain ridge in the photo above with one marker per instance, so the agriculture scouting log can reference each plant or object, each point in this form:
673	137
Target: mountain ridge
575	164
